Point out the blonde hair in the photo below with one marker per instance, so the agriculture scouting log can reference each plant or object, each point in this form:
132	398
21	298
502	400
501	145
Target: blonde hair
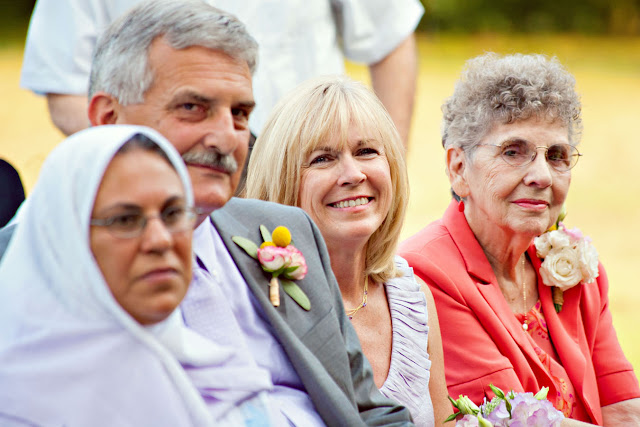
304	120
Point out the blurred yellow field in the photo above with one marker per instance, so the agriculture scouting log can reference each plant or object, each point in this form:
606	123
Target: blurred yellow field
603	200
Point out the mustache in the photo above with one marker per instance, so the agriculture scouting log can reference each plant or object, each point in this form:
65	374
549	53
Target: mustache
213	159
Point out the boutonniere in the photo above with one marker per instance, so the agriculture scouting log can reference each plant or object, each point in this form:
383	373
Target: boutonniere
507	409
569	259
280	258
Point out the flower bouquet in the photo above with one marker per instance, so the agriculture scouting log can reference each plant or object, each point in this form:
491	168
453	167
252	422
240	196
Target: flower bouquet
510	409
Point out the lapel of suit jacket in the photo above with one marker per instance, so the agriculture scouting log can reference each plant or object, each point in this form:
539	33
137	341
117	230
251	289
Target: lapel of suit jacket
257	280
288	317
569	340
479	268
299	331
564	327
486	282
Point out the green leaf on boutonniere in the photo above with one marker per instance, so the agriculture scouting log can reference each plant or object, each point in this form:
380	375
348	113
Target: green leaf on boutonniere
266	234
290	270
250	248
296	293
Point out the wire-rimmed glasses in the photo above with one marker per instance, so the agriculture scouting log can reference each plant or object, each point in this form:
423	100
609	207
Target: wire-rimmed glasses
127	225
518	153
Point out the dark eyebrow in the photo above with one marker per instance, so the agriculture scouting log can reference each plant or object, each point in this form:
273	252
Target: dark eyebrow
173	199
324	148
365	141
249	105
190	95
361	142
118	207
129	207
514	139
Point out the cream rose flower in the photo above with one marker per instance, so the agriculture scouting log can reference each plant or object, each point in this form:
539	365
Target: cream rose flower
550	240
543	245
561	268
588	260
559	239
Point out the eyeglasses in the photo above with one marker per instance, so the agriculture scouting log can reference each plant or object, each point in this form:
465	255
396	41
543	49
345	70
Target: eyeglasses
561	157
176	219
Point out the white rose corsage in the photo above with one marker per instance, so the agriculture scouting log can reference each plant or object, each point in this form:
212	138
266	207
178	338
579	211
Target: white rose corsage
569	259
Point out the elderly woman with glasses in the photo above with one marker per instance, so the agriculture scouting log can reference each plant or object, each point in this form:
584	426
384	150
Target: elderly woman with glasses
510	134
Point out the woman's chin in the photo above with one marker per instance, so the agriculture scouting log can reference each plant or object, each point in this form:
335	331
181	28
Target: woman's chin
532	228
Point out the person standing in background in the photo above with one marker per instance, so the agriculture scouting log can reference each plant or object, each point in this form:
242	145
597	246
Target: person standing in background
297	39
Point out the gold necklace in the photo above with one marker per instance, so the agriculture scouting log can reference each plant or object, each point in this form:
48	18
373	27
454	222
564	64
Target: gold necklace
353	311
525	326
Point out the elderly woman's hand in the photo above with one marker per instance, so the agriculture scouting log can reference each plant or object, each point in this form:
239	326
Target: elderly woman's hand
625	413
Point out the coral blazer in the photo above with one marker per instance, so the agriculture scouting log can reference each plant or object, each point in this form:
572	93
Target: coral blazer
483	341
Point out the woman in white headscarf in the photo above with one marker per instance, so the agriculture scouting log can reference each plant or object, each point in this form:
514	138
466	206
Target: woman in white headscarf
89	288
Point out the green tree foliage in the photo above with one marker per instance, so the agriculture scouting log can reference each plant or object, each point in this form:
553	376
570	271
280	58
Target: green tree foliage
528	16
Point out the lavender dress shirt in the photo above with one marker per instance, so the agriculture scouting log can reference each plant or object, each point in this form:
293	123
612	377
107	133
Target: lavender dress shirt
220	306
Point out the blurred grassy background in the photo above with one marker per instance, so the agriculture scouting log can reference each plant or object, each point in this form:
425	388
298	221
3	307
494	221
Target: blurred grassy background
604	56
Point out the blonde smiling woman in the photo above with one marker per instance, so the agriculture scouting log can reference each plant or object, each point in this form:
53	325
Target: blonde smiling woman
330	148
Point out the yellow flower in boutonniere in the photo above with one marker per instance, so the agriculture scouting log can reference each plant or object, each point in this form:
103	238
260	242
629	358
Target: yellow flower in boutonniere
281	236
280	258
569	259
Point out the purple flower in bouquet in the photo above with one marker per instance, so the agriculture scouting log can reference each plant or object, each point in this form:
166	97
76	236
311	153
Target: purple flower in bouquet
508	410
528	411
473	421
467	421
500	415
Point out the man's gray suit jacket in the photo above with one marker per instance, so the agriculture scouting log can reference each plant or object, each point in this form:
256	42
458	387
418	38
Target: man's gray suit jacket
321	343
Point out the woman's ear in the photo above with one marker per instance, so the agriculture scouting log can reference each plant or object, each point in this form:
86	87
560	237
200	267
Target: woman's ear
102	109
456	167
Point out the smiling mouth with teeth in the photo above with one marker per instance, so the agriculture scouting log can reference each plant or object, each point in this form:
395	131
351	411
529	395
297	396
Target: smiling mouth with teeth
350	203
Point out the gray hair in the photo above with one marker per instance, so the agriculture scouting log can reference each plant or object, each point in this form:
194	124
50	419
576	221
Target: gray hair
120	65
500	90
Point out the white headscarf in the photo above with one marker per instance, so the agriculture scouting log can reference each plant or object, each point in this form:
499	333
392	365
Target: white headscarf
69	354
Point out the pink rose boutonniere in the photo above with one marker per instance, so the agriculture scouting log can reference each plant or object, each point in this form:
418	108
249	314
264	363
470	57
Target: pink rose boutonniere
569	259
280	258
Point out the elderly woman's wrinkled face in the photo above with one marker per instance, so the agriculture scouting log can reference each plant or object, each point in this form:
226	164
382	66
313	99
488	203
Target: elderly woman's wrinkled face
346	188
148	274
521	200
